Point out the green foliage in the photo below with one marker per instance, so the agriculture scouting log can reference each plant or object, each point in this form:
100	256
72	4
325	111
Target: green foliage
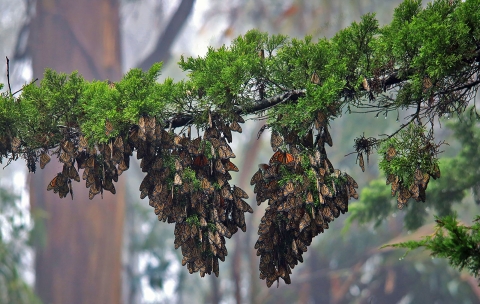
412	152
453	241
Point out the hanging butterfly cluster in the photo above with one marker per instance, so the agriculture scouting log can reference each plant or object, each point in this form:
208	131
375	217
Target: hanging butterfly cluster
187	181
304	192
187	184
101	166
416	190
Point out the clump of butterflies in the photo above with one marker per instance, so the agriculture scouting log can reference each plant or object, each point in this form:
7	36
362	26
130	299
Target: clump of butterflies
187	183
304	192
415	190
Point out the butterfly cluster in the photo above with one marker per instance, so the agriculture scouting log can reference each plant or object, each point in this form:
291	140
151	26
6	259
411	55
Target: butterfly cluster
187	183
102	163
304	192
416	189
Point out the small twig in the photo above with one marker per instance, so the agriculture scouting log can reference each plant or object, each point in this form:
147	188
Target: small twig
19	90
401	128
8	76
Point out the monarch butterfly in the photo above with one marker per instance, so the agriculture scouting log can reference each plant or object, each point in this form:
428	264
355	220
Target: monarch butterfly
224	152
405	193
395	185
107	152
390	154
327	214
256	177
150	123
288	189
286	205
141	123
177	140
90	179
227	133
390	179
315	79
401	202
361	162
238	192
269	172
54	182
200	161
309	198
260	198
165	138
290	138
185	158
94	190
157	189
215	267
227	194
215	142
328	165
219	166
319	220
65	158
118	150
122	166
282	157
44	159
234	126
207	186
333	208
418	176
82	143
243	206
304	222
325	190
425	180
63	190
421	194
145	186
194	146
301	245
321	120
229	166
73	173
275	141
307	140
414	191
108	185
436	172
178	165
157	163
222	230
342	203
354	194
108	127
327	136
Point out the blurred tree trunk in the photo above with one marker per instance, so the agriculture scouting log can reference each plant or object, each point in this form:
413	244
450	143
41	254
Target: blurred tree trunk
80	262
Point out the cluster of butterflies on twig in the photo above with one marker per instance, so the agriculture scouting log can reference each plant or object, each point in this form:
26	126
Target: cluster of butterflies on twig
187	181
304	192
417	189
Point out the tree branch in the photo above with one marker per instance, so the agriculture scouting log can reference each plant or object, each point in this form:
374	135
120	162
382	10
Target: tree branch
165	42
